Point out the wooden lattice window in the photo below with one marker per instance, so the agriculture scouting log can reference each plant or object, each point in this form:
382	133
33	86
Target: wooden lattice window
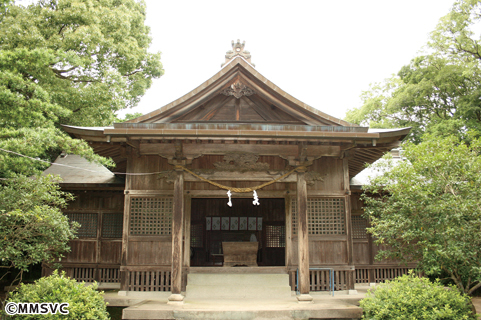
88	224
325	216
275	236
294	216
359	225
197	235
112	224
151	216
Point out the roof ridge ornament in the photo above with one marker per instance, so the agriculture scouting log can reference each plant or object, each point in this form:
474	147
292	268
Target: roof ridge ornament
237	50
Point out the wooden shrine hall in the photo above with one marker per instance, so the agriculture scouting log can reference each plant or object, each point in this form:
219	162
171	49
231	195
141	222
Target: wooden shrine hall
235	176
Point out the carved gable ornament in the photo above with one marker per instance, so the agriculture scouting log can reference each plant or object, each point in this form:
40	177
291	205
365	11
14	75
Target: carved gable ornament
238	90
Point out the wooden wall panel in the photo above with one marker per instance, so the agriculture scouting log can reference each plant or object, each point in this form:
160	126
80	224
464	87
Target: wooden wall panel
96	200
82	251
360	253
356	203
148	164
323	252
150	253
331	170
110	252
95	249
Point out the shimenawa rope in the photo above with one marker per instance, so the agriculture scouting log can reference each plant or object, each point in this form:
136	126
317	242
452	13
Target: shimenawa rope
240	190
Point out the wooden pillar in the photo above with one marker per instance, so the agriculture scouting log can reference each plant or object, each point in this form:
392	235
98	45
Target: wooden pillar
187	226
302	240
347	189
124	273
177	237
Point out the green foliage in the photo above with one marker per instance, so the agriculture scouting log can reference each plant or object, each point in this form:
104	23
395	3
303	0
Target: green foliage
42	143
428	209
129	116
85	302
412	298
73	62
32	227
438	92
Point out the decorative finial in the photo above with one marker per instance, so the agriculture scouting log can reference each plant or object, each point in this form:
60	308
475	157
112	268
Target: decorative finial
238	50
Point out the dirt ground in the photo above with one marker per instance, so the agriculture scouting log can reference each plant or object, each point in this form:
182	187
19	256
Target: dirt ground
477	304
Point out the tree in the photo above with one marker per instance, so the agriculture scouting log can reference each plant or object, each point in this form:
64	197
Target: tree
428	209
437	92
32	226
70	62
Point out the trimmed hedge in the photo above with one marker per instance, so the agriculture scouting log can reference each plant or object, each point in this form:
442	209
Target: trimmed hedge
85	302
413	298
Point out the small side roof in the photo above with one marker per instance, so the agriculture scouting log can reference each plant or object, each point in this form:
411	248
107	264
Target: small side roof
75	169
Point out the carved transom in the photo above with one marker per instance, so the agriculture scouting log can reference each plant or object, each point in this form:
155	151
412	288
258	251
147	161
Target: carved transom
238	90
241	162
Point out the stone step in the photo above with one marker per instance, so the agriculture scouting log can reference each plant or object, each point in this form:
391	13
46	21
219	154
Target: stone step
226	279
238	286
237	292
211	309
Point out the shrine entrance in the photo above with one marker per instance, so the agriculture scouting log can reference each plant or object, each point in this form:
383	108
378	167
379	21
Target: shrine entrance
214	222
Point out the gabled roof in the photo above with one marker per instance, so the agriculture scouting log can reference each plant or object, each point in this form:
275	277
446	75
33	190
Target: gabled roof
239	94
239	105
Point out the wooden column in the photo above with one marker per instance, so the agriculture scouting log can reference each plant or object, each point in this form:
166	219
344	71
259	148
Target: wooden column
177	237
303	239
347	189
125	274
187	226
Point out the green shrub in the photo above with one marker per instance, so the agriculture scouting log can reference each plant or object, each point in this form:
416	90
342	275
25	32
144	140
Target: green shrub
85	302
412	298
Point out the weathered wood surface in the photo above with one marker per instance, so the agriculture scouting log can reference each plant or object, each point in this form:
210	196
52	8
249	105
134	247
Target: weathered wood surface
97	248
346	186
177	233
240	254
198	149
322	252
149	164
303	240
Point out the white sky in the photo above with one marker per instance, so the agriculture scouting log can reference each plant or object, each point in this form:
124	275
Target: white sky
324	53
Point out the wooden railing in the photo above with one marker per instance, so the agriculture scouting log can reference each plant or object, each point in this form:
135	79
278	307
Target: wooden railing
88	272
319	279
377	274
146	278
